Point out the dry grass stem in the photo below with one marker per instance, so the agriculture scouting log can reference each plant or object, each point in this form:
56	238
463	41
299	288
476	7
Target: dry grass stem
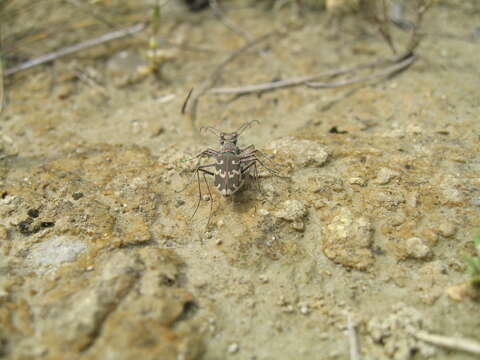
2	89
352	339
88	9
215	74
75	48
389	71
225	21
461	344
308	80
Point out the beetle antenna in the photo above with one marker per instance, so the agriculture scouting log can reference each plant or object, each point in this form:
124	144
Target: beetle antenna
246	126
212	129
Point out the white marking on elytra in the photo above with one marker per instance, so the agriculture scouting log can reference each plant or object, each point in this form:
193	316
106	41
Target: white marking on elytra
233	173
226	192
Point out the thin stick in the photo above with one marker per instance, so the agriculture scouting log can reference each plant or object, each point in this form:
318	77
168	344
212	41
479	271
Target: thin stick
383	26
2	89
289	82
308	79
76	48
381	74
224	20
89	11
461	344
422	7
187	47
352	339
184	106
90	81
214	76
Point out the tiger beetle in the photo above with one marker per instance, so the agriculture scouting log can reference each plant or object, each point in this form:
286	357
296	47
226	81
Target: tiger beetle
231	165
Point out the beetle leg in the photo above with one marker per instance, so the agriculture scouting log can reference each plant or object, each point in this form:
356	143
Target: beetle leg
204	172
199	195
210	194
252	157
209	152
250	150
253	164
197	168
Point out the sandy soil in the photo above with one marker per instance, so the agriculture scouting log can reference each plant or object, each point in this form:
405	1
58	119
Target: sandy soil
99	257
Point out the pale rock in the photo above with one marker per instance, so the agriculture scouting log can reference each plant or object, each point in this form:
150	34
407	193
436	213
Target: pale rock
301	152
347	240
292	210
417	248
385	175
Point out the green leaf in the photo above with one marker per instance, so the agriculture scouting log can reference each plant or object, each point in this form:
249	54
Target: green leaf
477	243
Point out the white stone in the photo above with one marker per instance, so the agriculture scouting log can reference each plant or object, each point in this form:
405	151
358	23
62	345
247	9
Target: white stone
417	248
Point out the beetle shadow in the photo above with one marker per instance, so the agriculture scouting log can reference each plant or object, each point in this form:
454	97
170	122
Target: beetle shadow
248	197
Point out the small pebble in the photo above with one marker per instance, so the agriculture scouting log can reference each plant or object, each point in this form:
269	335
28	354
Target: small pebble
3	294
447	229
417	248
263	212
233	348
298	225
292	210
263	279
385	175
397	219
304	309
476	33
357	181
476	201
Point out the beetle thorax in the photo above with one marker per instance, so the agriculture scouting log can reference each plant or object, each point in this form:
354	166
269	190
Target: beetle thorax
228	143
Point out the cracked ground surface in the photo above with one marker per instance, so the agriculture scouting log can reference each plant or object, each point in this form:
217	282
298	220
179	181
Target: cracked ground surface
99	257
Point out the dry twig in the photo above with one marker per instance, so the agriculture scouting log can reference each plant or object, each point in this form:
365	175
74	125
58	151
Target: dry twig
89	10
76	48
384	27
394	66
397	65
422	7
352	339
225	21
2	95
215	75
90	81
2	88
461	344
391	70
